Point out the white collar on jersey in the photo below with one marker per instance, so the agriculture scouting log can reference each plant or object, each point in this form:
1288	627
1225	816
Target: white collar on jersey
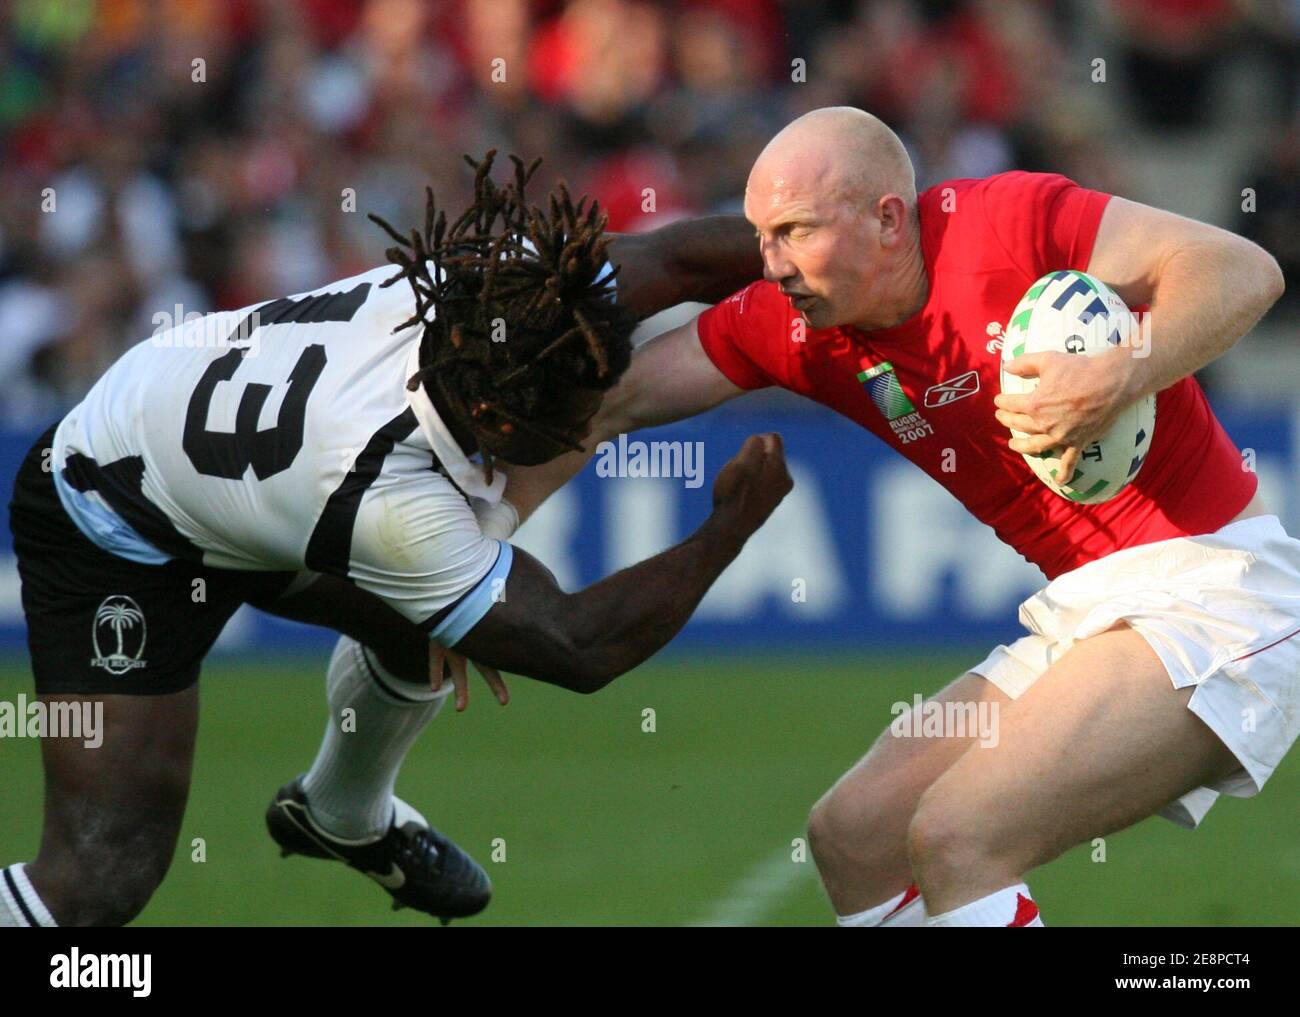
468	476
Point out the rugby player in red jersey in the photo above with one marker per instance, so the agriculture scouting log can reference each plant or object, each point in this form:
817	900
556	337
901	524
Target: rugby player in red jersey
1160	667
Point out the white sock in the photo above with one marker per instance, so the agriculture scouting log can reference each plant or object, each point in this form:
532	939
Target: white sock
1011	907
350	785
907	909
20	907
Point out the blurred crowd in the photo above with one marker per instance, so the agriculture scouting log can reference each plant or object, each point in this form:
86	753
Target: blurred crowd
206	154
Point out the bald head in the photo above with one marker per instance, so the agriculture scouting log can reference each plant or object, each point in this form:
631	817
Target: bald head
833	198
839	152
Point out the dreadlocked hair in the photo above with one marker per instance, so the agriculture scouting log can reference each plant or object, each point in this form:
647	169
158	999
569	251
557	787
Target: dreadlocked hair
561	329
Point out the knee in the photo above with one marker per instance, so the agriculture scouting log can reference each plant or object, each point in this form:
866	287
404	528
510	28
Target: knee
943	836
839	827
823	826
92	883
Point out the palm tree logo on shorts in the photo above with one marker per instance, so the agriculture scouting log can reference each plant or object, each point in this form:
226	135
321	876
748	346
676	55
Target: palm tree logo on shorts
121	616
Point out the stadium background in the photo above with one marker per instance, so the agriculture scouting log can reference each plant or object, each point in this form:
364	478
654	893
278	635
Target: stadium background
870	586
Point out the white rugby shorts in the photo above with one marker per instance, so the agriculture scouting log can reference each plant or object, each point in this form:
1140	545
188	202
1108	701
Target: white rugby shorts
1222	611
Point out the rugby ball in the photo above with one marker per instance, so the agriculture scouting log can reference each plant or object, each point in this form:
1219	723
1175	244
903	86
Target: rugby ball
1071	312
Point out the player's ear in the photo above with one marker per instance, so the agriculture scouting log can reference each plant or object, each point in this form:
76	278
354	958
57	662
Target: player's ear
891	211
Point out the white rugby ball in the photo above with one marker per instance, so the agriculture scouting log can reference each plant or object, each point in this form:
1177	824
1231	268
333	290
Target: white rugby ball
1071	312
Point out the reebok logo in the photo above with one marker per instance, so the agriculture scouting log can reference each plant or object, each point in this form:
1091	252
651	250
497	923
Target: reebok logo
950	391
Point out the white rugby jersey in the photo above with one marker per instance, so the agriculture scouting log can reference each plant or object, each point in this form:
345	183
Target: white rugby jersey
281	437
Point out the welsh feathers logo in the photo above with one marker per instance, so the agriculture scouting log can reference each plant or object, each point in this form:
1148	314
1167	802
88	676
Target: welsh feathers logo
118	628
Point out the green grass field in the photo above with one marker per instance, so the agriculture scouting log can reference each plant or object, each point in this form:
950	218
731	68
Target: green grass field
605	824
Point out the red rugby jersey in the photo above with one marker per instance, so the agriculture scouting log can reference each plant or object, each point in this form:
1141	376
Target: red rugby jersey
927	385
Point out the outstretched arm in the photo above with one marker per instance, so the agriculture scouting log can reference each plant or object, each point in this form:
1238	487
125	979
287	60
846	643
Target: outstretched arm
583	641
700	260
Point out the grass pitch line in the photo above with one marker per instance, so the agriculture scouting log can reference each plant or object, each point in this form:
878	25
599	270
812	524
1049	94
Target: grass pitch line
758	892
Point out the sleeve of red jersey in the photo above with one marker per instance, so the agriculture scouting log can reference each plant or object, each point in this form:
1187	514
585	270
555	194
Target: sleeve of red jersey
745	335
1045	221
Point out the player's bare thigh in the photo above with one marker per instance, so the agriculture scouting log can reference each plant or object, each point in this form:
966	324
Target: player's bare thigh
113	809
859	827
1099	742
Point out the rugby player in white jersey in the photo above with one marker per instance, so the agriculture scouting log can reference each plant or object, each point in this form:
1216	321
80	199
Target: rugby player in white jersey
319	462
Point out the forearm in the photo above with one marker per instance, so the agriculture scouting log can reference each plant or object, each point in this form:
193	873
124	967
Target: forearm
582	641
1206	298
527	487
626	618
702	260
714	256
